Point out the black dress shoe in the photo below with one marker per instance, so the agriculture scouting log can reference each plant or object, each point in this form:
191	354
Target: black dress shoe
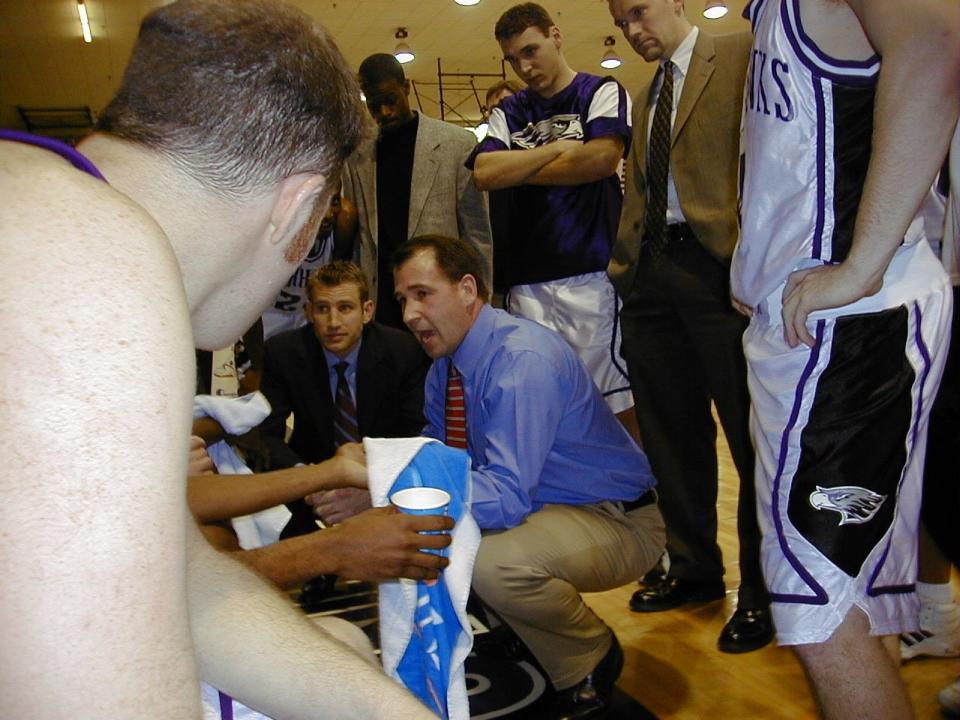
746	631
673	592
654	576
590	698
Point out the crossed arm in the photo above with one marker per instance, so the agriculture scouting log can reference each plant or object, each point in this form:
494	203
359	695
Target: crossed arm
562	162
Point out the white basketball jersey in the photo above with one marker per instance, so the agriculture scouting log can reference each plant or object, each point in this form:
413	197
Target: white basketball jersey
287	310
804	148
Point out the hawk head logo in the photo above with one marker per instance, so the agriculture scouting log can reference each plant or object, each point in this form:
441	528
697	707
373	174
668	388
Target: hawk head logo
556	127
856	505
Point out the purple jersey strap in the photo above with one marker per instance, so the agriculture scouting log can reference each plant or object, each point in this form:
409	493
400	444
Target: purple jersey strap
226	706
77	159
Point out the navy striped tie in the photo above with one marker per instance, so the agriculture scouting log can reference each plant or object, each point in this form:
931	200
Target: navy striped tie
345	428
655	229
456	411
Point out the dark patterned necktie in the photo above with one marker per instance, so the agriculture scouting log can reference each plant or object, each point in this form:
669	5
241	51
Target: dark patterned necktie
456	412
655	229
345	428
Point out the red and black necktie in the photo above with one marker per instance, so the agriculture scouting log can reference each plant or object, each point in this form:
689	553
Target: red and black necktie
345	428
456	411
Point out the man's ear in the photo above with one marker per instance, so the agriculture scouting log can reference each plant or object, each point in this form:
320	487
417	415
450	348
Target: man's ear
296	198
556	36
468	289
367	308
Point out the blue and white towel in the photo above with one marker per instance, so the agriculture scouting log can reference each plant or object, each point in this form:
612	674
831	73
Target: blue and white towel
425	633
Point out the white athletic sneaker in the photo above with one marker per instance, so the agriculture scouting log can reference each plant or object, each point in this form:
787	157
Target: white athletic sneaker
939	634
949	699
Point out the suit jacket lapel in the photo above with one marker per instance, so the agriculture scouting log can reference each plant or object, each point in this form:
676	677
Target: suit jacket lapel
641	121
369	382
699	72
367	173
424	171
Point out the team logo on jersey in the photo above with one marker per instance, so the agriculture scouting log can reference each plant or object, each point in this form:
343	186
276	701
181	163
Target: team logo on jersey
558	127
856	505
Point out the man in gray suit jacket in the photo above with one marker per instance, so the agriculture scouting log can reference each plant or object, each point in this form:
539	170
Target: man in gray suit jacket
681	336
411	181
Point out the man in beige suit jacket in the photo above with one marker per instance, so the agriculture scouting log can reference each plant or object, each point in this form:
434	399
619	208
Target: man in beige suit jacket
681	337
440	197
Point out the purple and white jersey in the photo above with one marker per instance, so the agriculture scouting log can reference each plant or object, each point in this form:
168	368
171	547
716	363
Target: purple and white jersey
560	231
804	149
287	310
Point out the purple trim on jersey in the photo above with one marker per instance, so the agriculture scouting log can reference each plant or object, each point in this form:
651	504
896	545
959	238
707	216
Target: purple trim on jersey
845	72
751	12
608	393
226	706
887	589
820	595
614	360
925	356
821	169
77	159
927	363
607	127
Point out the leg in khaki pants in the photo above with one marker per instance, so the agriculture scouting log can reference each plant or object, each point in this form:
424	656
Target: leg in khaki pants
532	576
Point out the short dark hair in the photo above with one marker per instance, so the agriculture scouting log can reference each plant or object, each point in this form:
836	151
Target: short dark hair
239	93
336	273
500	86
455	258
520	17
380	67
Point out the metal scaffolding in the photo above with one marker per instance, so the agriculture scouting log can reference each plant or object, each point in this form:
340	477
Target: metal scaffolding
456	92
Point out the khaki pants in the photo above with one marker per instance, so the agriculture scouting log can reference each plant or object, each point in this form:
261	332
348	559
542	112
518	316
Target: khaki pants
532	576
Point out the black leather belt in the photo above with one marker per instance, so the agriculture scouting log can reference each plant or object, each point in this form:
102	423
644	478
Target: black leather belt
648	498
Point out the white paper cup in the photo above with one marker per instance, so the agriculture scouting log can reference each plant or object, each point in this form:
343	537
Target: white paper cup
421	501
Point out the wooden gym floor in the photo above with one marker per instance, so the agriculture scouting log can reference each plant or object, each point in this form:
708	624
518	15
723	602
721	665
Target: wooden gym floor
674	669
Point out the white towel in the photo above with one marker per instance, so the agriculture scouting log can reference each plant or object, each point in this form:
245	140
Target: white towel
386	459
240	415
237	415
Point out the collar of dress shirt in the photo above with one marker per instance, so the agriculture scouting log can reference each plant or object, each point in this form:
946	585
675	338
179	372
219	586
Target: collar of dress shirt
468	354
681	56
351	358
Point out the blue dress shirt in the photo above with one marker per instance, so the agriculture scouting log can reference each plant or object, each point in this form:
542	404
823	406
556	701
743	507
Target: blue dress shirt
351	373
538	430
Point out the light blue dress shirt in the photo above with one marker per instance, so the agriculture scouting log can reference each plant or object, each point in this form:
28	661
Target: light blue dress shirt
332	361
538	430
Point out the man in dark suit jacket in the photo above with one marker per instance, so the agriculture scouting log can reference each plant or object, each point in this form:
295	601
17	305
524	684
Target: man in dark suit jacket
681	336
384	371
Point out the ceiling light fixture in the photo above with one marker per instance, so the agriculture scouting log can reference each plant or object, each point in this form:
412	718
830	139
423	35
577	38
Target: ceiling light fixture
402	51
610	59
466	2
715	9
84	21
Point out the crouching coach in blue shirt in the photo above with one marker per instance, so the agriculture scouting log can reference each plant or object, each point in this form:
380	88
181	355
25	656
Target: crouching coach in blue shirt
562	493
